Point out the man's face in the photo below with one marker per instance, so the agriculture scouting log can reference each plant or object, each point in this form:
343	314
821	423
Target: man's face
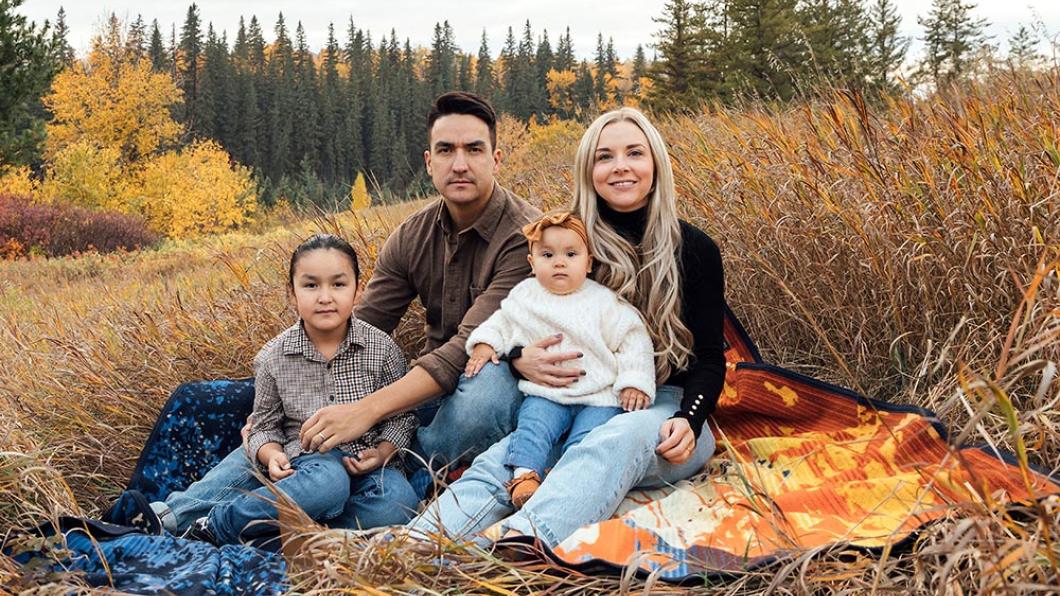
460	160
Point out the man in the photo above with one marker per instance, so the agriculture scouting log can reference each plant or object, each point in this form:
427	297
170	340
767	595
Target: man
460	255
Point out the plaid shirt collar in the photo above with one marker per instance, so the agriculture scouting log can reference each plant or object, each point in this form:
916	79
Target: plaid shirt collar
487	221
298	342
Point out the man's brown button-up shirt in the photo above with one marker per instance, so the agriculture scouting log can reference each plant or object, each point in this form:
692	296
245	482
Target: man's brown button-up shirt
460	277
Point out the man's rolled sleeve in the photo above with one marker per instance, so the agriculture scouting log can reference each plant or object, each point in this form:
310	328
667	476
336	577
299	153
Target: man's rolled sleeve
268	414
447	361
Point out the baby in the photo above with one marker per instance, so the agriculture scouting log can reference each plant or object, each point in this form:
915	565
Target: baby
616	351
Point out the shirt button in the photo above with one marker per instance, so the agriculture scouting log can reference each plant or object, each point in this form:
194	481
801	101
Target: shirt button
331	397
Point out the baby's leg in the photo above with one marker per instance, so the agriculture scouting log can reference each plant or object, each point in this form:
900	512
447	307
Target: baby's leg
541	424
587	419
320	486
231	476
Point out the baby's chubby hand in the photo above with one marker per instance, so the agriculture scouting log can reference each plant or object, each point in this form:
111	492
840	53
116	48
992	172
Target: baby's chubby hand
632	398
480	355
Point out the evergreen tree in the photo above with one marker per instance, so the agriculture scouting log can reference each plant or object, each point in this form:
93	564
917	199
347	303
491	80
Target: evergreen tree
886	48
1023	49
526	91
332	124
28	60
506	78
640	70
564	59
951	38
767	56
136	40
358	111
305	140
441	64
157	49
465	74
678	73
583	92
485	79
60	40
188	63
837	33
542	64
280	104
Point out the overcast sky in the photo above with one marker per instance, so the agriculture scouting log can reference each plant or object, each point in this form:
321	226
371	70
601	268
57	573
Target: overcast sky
628	22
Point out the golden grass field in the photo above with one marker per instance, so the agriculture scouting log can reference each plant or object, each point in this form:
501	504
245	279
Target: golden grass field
909	249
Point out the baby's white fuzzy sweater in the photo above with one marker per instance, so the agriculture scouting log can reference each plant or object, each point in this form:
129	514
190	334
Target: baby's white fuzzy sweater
594	321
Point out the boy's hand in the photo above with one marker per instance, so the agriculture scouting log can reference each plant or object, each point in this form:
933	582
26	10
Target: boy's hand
480	355
279	466
369	459
632	398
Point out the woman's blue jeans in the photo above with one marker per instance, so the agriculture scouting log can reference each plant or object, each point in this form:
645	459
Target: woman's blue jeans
585	486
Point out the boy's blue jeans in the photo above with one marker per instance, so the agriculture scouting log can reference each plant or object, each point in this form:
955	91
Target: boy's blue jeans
542	423
230	495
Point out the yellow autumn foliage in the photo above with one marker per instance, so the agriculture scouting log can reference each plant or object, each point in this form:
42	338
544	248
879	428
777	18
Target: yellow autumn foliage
560	85
195	192
112	104
16	181
359	197
87	175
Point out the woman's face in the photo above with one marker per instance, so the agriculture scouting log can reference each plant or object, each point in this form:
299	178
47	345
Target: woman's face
623	167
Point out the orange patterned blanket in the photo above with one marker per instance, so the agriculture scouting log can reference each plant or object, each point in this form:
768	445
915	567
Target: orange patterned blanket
800	464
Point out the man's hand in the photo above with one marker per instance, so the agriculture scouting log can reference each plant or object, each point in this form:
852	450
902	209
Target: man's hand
676	441
369	459
632	398
279	466
480	355
540	366
334	425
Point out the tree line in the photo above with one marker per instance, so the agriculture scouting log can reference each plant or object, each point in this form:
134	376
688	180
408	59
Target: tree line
308	122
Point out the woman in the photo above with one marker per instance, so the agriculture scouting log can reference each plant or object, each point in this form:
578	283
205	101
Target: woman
672	273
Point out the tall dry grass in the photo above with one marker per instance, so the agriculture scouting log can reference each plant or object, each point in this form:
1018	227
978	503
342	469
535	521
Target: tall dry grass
908	249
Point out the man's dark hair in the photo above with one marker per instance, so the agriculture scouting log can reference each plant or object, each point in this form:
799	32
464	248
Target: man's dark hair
461	102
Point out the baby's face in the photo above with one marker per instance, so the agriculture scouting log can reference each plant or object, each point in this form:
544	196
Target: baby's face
560	260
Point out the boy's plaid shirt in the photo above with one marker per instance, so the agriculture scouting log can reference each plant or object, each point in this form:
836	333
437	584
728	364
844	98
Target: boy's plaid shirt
294	381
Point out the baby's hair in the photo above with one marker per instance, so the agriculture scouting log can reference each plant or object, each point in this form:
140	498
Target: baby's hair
324	241
557	219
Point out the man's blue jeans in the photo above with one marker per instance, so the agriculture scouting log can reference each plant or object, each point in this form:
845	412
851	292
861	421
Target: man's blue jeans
543	422
380	498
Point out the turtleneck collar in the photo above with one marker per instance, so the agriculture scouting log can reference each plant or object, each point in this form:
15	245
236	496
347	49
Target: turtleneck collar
630	225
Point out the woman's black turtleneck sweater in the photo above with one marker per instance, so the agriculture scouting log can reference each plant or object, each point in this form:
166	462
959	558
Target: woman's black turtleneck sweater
702	312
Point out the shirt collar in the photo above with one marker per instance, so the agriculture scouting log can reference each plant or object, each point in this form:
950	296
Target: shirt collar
487	221
298	342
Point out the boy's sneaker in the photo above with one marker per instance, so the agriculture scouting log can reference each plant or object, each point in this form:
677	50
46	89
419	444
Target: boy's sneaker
522	488
200	530
132	509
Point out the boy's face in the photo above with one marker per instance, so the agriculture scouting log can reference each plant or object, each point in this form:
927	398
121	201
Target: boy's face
325	289
460	160
560	260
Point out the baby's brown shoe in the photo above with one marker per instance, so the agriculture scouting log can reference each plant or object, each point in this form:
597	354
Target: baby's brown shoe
522	488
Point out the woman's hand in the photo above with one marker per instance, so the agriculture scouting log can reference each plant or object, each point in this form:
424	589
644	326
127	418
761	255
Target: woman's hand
677	442
369	459
480	355
540	366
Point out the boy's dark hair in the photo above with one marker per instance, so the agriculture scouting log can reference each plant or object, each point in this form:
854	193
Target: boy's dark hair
324	241
462	102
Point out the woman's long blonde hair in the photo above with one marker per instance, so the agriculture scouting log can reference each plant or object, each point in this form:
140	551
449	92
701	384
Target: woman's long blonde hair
647	276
